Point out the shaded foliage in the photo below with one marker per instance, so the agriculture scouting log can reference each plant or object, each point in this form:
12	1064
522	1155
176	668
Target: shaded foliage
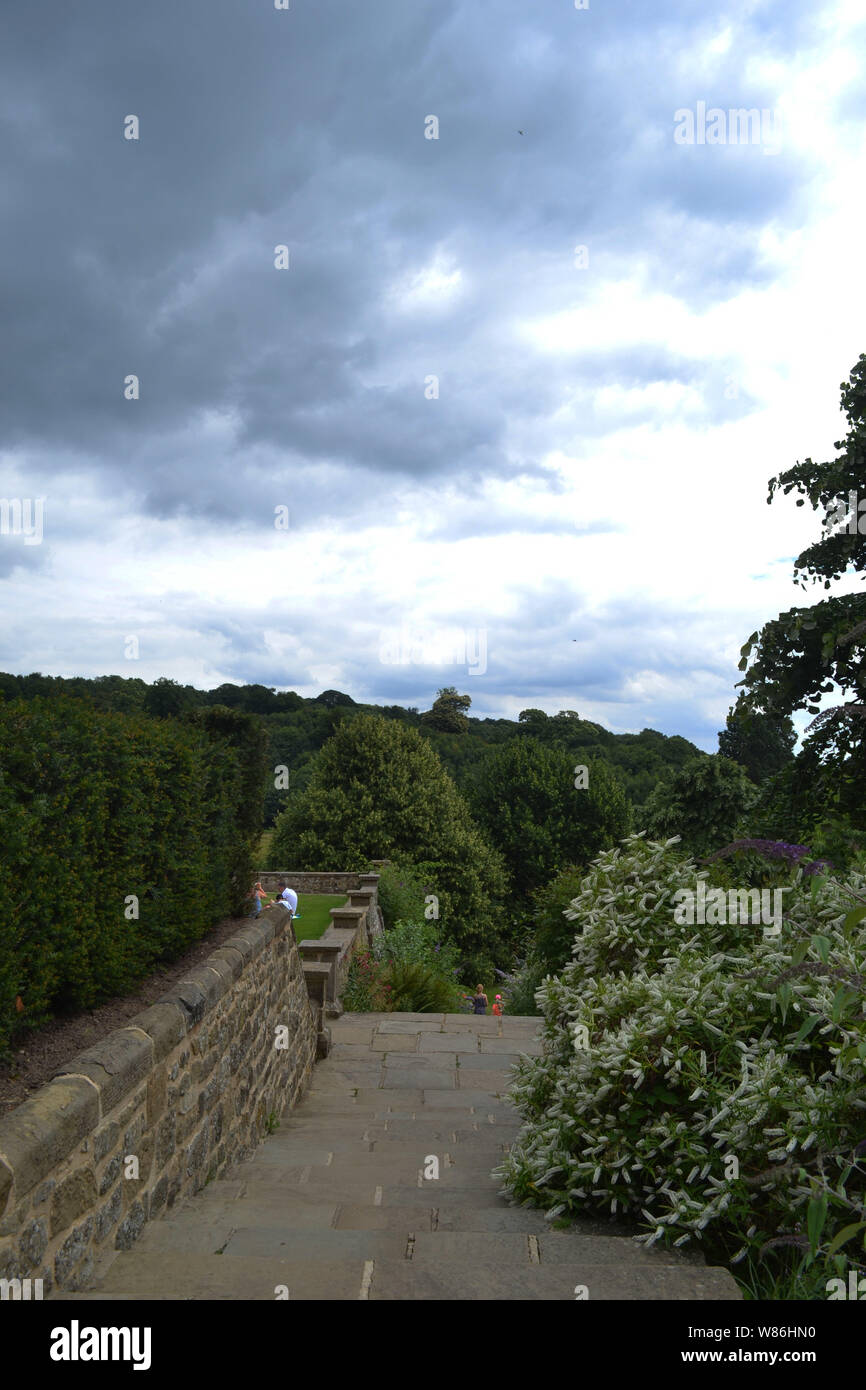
98	807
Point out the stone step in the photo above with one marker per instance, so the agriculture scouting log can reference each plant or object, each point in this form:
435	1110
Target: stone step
334	1205
472	1130
482	1279
458	1134
389	1155
170	1275
331	1269
362	1182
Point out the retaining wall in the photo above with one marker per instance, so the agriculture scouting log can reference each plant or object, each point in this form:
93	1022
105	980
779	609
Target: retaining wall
157	1109
308	882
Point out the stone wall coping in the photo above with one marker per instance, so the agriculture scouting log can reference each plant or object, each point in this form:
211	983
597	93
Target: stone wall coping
164	1024
116	1065
344	935
308	873
42	1131
48	1127
89	1095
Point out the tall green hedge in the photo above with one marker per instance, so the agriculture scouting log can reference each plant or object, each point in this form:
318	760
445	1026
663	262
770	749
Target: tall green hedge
96	807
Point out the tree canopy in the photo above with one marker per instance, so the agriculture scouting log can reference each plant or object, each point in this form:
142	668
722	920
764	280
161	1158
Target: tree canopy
448	714
378	791
702	803
524	795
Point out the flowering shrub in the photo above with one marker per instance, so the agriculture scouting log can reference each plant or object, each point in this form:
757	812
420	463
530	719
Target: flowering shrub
409	970
706	1080
363	990
419	941
759	863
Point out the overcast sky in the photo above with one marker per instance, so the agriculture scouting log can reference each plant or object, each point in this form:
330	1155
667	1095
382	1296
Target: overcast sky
504	421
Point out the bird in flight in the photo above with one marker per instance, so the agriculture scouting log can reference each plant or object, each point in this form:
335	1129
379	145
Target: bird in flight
520	132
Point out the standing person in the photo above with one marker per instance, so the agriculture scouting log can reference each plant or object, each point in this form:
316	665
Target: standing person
479	1000
497	1006
258	895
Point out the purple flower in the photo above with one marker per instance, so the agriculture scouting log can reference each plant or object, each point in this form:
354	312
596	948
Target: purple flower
775	849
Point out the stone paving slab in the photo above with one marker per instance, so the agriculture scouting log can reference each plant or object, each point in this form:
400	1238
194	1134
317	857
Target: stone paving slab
279	1242
469	1097
496	1082
480	1023
190	1235
474	1178
406	1098
488	1061
438	1061
349	1051
348	1074
347	1102
460	1247
322	1188
562	1247
169	1275
347	1021
411	1151
402	1158
489	1281
335	1204
299	1149
278	1197
298	1210
428	1077
527	1047
400	1042
402	1025
326	1127
361	1218
351	1033
438	1019
420	1132
478	1218
449	1042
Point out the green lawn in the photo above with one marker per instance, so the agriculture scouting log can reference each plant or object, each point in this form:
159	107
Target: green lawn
314	910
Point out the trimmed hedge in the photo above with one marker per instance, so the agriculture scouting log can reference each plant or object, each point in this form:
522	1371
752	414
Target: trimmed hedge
96	807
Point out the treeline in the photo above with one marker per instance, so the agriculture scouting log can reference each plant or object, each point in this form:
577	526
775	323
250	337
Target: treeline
297	728
124	839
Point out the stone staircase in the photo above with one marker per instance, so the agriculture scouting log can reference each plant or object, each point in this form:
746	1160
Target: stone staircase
336	1204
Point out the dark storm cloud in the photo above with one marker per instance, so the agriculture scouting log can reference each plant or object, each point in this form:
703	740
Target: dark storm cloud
306	387
306	128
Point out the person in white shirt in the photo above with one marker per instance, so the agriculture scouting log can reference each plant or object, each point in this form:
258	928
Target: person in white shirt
289	898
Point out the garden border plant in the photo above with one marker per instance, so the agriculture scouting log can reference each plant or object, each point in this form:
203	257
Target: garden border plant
670	1051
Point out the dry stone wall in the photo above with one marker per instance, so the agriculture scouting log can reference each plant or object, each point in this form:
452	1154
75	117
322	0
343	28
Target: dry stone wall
157	1109
308	882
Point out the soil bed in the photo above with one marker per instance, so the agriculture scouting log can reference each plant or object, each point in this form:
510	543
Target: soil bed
38	1056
